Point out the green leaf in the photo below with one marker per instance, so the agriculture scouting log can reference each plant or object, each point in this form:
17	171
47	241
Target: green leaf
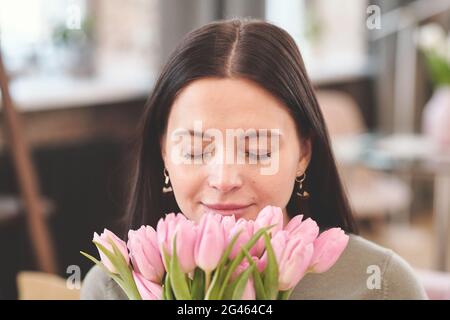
166	258
213	290
123	270
98	263
219	274
271	271
237	260
177	277
438	67
127	273
235	288
114	276
198	284
258	283
101	266
168	294
111	257
229	248
240	285
119	263
93	259
284	295
228	293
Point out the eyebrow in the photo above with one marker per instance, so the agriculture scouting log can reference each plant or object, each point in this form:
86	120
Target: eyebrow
182	132
250	134
253	134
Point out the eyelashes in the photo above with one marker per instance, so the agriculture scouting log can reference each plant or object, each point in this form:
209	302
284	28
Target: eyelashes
191	156
258	156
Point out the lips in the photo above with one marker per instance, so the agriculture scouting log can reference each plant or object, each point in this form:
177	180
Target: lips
226	209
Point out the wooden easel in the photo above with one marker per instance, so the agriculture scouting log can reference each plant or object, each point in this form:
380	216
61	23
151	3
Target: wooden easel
26	177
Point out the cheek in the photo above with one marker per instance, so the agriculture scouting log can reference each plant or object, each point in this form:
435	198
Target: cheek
277	189
186	185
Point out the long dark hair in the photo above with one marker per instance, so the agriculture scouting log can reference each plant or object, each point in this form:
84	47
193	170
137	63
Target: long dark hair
254	50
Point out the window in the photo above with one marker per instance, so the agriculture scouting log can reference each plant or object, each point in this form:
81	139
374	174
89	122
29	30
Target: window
331	35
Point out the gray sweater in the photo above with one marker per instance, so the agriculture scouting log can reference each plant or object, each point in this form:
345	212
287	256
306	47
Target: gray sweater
364	271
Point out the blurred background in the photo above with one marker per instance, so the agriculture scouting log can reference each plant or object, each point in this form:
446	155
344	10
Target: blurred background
79	74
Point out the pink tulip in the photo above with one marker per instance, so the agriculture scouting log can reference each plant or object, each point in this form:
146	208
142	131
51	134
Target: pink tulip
105	239
147	289
260	265
186	232
239	269
327	249
249	291
293	255
165	231
144	253
210	243
308	229
268	216
186	238
228	222
218	217
245	227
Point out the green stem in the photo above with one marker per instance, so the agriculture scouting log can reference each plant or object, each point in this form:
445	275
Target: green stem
207	280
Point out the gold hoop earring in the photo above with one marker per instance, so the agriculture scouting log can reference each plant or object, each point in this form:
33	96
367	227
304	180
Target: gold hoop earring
301	193
166	188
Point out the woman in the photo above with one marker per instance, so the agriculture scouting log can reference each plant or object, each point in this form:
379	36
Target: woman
246	79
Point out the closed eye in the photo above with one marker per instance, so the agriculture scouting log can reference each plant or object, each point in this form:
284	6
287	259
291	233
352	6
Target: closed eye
258	155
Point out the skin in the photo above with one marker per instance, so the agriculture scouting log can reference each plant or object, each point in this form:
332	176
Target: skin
231	103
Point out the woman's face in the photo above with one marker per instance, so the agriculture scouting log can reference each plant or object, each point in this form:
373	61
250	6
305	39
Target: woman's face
249	154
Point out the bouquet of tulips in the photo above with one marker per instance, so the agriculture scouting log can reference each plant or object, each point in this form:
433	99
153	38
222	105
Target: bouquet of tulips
218	258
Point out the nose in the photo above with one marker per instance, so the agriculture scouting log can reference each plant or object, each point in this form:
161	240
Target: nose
225	177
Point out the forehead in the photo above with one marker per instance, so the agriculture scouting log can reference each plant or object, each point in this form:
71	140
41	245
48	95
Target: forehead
229	103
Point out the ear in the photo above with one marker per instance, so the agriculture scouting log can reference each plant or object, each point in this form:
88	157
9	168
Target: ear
305	156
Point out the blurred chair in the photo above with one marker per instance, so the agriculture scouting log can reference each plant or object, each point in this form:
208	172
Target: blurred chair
44	286
341	113
372	194
12	209
26	178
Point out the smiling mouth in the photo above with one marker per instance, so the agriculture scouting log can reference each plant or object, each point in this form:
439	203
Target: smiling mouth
226	209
